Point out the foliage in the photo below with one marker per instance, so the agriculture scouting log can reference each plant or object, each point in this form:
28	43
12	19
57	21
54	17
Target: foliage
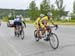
45	7
5	18
34	12
13	12
74	7
60	7
73	14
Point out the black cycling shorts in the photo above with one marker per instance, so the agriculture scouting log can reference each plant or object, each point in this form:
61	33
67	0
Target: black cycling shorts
17	23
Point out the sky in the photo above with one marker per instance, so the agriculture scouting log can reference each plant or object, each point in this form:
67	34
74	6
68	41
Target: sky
24	4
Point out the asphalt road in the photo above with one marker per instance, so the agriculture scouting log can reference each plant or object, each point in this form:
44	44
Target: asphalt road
13	46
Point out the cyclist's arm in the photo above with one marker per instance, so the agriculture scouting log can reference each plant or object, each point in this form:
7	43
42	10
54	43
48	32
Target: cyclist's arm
52	22
42	25
24	23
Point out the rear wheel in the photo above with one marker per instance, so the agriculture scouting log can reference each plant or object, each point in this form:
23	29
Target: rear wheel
35	35
54	42
15	33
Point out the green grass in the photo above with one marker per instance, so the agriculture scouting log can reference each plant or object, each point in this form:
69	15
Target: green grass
72	22
30	22
56	22
64	23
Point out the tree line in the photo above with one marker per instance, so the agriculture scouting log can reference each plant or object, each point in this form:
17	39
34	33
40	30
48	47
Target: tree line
57	9
11	13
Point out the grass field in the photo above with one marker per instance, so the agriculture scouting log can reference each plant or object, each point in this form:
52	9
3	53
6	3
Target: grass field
72	22
56	22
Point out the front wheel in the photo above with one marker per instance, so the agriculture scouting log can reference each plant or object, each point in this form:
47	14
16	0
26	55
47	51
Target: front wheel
35	35
54	42
22	34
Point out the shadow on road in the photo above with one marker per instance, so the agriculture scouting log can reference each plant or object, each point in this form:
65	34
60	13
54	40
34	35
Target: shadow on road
65	46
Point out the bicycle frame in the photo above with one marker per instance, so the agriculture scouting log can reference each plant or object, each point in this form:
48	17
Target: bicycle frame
46	32
50	37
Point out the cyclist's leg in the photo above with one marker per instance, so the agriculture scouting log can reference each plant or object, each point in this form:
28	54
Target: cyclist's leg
41	32
15	23
38	31
20	27
48	29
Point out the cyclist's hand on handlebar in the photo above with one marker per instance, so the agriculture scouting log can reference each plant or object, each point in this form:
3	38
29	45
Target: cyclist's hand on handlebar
56	27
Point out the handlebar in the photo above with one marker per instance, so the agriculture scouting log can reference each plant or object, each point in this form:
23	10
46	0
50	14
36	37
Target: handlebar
56	27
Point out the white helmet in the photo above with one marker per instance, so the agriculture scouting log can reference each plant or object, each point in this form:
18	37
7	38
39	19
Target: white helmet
42	15
49	14
17	16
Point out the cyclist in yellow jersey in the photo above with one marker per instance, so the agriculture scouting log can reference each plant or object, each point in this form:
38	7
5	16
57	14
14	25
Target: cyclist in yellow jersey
44	23
45	19
37	22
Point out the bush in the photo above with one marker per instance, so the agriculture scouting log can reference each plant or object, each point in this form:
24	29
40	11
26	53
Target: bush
5	19
11	18
73	21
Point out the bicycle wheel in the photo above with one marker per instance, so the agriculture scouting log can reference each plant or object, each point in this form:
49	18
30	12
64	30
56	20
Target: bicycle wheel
35	35
54	42
16	34
22	34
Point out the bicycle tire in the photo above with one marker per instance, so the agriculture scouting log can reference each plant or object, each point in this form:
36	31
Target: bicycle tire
55	38
22	34
35	35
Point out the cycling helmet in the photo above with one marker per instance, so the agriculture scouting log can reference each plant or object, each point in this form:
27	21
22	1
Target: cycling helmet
49	14
42	15
17	16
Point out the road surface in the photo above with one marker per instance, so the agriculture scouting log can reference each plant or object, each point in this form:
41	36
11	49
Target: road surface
13	46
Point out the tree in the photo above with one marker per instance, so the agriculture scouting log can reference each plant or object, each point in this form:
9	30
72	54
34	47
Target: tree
34	12
45	7
5	18
73	14
74	7
60	7
59	4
